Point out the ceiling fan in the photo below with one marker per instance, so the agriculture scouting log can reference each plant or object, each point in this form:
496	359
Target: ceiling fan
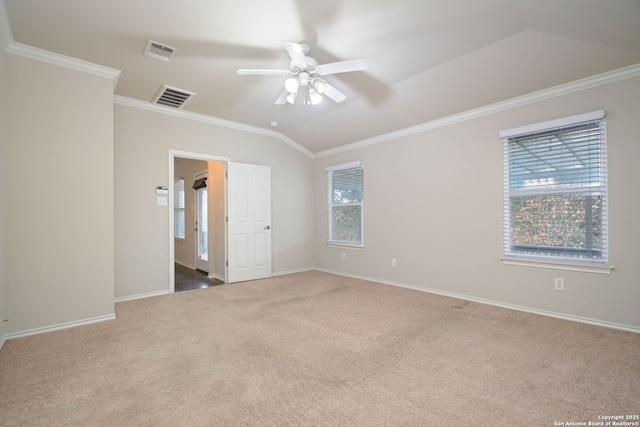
305	76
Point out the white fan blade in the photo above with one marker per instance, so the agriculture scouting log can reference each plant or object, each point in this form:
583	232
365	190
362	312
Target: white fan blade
282	99
334	93
295	50
257	72
342	67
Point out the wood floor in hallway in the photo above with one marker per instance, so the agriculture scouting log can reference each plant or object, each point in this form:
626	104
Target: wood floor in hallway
188	279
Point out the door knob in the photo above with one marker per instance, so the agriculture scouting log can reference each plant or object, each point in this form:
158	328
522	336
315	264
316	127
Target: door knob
268	227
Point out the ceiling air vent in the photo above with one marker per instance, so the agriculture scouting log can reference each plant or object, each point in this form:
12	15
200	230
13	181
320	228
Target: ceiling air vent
172	97
159	51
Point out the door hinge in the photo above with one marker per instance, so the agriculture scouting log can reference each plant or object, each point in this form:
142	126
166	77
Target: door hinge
226	218
226	174
227	263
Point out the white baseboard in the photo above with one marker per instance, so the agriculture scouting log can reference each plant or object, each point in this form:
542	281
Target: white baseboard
57	327
215	276
595	322
184	264
139	296
3	339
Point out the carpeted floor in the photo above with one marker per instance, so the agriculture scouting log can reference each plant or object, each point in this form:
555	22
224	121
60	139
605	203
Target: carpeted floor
315	349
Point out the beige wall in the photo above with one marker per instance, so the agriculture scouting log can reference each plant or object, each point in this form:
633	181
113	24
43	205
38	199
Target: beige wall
217	222
434	201
142	143
58	195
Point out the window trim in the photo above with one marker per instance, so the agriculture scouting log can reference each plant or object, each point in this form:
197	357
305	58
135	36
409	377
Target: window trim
538	263
550	124
541	260
344	243
177	209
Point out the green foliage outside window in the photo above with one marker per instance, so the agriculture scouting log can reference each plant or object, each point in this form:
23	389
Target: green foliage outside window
557	222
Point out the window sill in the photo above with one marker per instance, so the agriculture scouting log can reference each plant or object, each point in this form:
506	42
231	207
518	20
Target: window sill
585	268
344	245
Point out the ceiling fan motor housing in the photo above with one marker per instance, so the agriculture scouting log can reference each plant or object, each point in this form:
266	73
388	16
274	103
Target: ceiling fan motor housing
306	64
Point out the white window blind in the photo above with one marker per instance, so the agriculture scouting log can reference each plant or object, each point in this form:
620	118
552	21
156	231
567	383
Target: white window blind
344	204
555	190
179	205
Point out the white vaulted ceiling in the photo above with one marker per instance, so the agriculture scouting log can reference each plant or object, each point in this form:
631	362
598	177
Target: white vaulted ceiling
428	59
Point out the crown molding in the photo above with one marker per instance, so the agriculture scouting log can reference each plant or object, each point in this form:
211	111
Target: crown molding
63	61
542	95
189	115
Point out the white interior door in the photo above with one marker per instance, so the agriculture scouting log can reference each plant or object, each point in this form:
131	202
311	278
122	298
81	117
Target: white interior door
249	223
202	226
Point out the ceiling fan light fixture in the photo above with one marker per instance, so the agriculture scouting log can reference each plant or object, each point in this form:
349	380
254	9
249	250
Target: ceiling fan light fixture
291	98
291	85
314	97
319	85
306	99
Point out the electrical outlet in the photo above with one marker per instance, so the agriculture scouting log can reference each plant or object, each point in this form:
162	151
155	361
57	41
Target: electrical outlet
558	284
394	262
344	256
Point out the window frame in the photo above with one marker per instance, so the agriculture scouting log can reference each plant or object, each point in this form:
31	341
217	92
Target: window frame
549	260
330	205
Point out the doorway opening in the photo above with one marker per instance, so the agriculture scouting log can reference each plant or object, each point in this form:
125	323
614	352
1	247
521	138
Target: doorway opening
197	256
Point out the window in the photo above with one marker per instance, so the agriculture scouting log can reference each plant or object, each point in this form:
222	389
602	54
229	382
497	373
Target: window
179	209
555	191
344	204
